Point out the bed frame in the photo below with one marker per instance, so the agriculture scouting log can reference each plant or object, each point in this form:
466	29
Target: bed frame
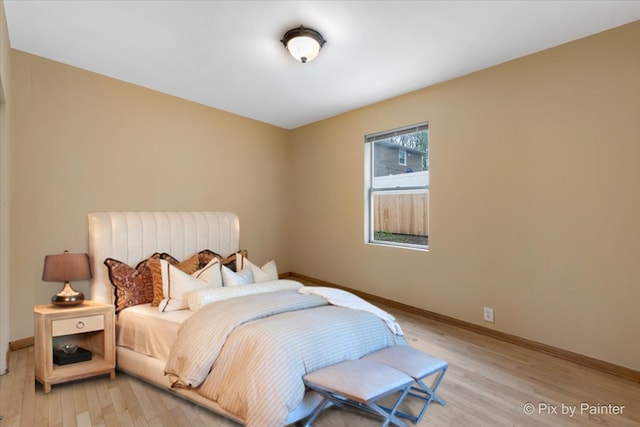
133	236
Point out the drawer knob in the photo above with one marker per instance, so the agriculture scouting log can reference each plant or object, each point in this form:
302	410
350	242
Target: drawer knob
80	325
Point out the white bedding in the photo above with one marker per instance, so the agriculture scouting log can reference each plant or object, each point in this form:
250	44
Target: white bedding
347	299
145	330
238	351
287	322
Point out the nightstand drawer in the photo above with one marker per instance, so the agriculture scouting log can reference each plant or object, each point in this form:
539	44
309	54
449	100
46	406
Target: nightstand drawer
77	325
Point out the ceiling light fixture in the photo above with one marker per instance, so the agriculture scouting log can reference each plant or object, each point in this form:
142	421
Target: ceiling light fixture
303	43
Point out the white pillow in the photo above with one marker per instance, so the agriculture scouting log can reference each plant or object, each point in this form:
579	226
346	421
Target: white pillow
202	297
242	277
210	273
176	284
266	273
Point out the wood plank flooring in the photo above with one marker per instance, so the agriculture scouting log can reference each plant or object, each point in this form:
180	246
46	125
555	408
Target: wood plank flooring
489	383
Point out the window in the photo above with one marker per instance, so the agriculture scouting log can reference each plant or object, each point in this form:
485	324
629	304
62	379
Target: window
397	187
402	157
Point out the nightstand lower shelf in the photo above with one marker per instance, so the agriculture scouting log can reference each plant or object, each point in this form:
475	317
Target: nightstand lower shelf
73	371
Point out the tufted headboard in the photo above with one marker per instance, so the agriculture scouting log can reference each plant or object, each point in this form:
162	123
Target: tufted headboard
131	237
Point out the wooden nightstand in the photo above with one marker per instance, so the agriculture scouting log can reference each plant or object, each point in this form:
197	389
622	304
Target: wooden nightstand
90	325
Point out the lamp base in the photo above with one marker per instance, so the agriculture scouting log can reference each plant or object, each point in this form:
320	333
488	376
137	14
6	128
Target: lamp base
67	297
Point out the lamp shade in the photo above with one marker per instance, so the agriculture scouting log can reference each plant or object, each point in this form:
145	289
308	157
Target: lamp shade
303	44
66	267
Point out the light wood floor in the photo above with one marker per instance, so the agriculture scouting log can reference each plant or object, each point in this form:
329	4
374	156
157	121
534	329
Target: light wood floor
489	382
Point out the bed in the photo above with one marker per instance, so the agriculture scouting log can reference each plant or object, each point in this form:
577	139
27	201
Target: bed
252	350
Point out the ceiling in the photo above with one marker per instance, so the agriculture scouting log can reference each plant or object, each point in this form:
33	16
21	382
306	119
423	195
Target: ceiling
228	55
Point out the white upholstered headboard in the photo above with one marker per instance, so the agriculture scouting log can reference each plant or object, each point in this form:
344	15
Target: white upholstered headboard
131	237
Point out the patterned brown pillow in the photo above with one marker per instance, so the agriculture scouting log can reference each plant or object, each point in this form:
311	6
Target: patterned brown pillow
230	262
171	260
189	266
132	286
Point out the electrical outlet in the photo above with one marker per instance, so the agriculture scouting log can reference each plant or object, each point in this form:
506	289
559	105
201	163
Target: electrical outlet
488	314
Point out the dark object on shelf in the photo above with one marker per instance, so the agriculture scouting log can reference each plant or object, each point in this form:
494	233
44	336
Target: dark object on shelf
62	358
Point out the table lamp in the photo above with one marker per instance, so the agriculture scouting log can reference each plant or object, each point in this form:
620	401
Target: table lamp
65	268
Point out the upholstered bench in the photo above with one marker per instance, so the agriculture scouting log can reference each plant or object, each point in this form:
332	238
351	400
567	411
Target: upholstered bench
360	384
417	365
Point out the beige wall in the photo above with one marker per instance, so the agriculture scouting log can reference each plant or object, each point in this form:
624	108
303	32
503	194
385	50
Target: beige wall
534	192
535	198
82	142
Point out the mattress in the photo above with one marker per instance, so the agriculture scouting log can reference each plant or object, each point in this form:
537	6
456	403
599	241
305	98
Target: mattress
145	330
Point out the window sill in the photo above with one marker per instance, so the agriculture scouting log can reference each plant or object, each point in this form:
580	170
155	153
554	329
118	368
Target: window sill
398	245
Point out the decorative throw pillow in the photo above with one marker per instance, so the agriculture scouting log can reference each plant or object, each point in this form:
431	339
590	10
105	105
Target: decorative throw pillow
266	273
177	285
206	255
189	266
242	277
132	286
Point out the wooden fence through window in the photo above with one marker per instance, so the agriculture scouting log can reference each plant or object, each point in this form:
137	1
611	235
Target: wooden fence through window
402	213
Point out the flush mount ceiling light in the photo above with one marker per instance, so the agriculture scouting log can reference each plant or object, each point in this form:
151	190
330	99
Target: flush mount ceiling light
303	43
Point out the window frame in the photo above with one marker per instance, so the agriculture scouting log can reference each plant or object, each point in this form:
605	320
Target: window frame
370	191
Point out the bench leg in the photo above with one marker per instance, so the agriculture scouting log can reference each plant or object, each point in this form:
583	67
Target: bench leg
423	392
371	407
431	393
390	415
321	407
426	393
